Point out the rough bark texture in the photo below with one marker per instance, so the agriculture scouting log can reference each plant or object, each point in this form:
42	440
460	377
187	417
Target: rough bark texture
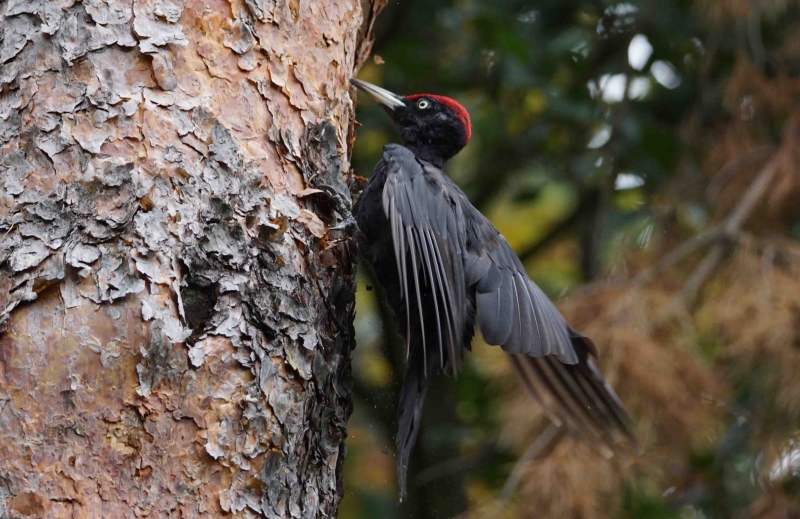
175	319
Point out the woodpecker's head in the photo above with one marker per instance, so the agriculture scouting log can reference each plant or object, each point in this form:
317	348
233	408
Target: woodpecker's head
434	127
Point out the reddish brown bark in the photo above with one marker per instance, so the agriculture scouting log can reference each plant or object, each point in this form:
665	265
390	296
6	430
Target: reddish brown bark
175	314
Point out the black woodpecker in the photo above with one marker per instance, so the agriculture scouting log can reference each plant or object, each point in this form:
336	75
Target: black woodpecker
443	266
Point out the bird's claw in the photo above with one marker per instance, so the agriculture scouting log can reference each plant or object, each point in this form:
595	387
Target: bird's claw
348	222
343	207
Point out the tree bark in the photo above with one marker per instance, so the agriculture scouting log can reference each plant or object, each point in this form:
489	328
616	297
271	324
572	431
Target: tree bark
175	316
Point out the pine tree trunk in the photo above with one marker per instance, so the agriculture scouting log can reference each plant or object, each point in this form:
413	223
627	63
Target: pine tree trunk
175	317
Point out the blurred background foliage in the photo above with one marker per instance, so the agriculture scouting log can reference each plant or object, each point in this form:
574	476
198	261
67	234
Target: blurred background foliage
643	158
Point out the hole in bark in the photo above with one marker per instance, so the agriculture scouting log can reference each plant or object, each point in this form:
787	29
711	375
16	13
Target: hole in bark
323	205
268	332
218	211
198	305
68	395
268	233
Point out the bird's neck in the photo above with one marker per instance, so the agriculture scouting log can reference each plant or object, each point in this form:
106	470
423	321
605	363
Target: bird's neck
428	154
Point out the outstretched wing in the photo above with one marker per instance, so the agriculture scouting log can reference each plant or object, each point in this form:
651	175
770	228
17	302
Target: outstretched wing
546	352
512	311
427	225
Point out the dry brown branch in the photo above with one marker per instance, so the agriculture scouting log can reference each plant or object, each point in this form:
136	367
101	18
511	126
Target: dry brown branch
751	197
701	273
542	445
736	166
729	230
547	440
678	253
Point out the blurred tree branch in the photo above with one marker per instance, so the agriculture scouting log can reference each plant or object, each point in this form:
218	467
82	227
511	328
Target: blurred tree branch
729	230
550	436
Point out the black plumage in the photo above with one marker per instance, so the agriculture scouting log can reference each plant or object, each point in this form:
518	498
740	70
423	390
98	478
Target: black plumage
442	265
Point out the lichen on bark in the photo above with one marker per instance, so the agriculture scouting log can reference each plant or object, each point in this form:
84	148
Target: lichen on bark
175	317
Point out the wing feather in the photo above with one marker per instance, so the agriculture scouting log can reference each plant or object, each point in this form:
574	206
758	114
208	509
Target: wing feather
429	273
577	399
416	276
540	345
557	393
435	272
429	248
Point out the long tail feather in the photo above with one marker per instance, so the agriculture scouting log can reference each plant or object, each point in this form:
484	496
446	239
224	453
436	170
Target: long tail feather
418	378
578	395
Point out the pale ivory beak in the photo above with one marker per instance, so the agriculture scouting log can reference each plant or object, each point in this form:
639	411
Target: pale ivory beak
381	95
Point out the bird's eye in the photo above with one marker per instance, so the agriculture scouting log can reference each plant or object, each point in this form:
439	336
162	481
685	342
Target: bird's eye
422	104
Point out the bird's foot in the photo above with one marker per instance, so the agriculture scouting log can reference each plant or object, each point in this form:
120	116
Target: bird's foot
343	206
347	223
